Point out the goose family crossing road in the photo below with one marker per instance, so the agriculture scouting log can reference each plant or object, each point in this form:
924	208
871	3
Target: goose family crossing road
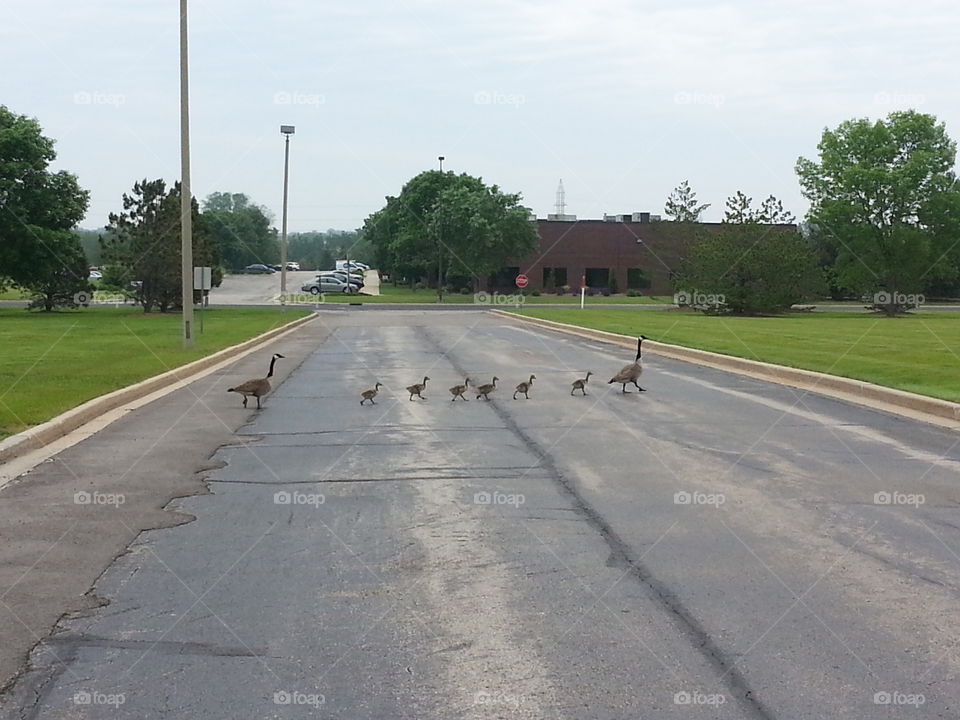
714	547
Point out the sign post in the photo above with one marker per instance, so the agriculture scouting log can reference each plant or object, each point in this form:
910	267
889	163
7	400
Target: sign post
202	281
583	289
522	281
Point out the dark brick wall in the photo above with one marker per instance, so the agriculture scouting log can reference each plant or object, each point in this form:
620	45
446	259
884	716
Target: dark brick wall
656	247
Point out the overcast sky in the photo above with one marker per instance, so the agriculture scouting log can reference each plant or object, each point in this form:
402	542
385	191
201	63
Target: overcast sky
621	99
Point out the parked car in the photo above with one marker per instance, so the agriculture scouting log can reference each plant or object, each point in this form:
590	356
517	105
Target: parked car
352	264
95	275
275	268
293	266
354	285
326	285
257	268
352	279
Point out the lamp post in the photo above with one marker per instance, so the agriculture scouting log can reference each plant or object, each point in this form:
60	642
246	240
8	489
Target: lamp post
440	249
286	131
186	198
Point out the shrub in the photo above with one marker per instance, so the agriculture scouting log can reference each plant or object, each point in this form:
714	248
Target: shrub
419	286
464	291
634	293
536	293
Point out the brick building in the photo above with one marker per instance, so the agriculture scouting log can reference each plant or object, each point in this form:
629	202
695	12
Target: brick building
641	252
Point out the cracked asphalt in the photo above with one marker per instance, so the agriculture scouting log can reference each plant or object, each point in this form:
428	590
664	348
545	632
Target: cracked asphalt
716	547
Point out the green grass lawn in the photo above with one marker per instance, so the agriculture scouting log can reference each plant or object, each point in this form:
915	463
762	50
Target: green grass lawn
391	294
51	362
919	353
13	294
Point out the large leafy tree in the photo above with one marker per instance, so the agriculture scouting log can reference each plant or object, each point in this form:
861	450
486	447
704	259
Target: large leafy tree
64	284
37	207
682	205
240	229
443	224
885	196
145	241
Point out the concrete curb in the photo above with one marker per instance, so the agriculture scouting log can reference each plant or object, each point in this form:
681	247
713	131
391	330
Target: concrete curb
917	407
41	435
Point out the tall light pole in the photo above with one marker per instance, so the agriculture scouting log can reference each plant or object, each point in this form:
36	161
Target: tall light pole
286	131
186	198
440	250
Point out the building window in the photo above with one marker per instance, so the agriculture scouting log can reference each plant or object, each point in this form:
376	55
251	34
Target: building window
598	277
554	277
637	279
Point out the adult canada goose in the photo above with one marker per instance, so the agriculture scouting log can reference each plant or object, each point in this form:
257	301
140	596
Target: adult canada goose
257	388
458	390
524	388
581	384
418	388
370	394
631	372
483	391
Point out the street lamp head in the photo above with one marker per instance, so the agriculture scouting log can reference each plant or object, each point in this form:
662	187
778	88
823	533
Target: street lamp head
286	129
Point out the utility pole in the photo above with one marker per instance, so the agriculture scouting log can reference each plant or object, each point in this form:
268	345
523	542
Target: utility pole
186	198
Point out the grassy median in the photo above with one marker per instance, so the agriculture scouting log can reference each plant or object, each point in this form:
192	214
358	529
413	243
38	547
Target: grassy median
51	362
919	353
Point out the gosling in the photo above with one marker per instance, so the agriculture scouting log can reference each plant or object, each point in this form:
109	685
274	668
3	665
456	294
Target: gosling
524	388
458	390
370	394
483	391
581	384
418	388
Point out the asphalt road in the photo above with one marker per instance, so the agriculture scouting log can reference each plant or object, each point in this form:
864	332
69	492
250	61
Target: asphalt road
716	547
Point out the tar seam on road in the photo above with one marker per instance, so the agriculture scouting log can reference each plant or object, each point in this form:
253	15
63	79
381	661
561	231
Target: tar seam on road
621	557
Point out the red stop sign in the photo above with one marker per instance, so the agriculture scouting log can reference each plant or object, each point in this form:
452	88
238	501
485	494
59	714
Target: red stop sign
522	281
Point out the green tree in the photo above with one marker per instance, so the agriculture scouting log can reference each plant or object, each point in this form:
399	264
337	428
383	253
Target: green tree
682	205
886	195
36	205
771	211
749	269
64	284
240	230
145	240
444	225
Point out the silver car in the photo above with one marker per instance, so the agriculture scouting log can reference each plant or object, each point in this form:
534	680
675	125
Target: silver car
326	285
